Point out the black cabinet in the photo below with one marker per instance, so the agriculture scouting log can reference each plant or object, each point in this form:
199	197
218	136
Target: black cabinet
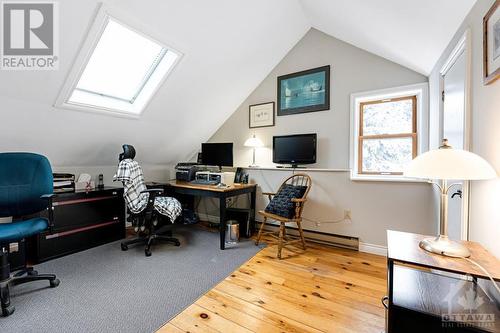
433	302
82	220
17	255
432	293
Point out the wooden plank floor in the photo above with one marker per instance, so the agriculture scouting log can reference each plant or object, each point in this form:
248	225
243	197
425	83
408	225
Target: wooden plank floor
323	289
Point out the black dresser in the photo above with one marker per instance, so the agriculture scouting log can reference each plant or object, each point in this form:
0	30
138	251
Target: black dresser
82	219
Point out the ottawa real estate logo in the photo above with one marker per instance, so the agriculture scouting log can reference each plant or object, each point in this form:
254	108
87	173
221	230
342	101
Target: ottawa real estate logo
29	38
467	307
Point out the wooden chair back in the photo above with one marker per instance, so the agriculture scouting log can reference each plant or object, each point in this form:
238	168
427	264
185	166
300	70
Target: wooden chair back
299	179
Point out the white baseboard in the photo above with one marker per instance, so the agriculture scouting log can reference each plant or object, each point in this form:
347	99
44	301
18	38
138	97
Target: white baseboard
373	249
363	247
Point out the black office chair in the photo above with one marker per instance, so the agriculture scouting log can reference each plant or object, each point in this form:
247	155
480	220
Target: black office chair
151	213
26	187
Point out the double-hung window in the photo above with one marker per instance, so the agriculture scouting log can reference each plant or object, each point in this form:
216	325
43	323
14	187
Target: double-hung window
387	135
386	132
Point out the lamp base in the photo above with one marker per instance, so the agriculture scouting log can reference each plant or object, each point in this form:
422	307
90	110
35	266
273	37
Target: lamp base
444	246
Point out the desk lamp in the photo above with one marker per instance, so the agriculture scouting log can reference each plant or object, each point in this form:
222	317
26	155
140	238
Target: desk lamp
254	143
447	164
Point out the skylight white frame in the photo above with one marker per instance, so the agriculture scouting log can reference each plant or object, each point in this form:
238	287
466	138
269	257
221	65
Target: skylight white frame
134	111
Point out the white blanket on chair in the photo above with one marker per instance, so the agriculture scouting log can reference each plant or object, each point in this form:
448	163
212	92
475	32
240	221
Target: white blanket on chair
130	174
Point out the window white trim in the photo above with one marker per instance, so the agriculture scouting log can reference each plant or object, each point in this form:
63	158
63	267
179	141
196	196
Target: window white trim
155	81
463	46
420	90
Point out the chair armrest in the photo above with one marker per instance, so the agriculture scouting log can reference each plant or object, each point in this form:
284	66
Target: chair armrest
153	190
269	195
50	208
153	193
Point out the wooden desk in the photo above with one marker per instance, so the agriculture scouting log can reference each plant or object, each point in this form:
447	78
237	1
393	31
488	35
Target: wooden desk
419	299
403	248
222	194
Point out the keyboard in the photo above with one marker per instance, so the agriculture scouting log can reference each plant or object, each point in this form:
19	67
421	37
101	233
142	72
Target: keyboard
204	182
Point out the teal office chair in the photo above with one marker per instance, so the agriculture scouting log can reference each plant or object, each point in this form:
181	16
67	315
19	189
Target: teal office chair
26	187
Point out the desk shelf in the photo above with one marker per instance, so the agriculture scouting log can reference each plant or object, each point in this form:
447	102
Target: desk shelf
429	302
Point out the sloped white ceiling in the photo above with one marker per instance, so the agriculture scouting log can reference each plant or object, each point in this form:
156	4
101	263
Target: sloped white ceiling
229	47
412	33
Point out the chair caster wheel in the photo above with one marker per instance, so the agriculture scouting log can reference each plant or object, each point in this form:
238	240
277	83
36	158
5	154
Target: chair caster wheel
8	311
177	243
54	283
147	253
124	247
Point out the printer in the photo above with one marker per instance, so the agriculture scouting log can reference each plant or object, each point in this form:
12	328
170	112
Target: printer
210	176
186	171
226	178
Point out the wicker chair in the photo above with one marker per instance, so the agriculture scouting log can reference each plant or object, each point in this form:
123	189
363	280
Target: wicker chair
299	179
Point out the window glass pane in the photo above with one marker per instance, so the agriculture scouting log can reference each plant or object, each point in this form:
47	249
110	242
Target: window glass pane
388	117
120	63
386	155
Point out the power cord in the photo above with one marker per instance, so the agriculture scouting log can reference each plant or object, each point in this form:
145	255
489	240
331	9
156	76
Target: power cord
485	272
347	217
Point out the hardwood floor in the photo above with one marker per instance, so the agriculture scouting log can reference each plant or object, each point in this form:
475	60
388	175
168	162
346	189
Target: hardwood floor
323	289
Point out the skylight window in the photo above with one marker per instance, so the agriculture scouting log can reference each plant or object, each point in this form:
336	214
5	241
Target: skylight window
122	71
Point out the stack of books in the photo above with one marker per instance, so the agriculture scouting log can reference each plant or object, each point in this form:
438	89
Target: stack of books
64	182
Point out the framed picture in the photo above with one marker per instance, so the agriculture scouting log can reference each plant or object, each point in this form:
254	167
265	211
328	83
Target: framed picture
305	91
261	115
491	44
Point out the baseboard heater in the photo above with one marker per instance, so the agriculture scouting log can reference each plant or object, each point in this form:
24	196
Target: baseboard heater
346	242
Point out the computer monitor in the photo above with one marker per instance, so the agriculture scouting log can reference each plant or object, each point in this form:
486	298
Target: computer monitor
218	154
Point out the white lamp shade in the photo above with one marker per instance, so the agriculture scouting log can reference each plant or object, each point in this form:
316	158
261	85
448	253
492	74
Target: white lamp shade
448	164
253	142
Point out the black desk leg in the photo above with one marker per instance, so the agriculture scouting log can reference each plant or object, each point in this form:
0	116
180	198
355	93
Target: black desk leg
252	210
222	221
389	325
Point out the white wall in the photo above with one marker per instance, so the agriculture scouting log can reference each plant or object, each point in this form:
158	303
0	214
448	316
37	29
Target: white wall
375	206
352	70
220	67
485	130
152	173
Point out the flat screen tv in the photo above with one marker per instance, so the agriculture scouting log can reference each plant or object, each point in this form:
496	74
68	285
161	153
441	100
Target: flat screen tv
217	154
295	149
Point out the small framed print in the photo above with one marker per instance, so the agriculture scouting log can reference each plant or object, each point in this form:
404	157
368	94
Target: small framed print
261	115
491	44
